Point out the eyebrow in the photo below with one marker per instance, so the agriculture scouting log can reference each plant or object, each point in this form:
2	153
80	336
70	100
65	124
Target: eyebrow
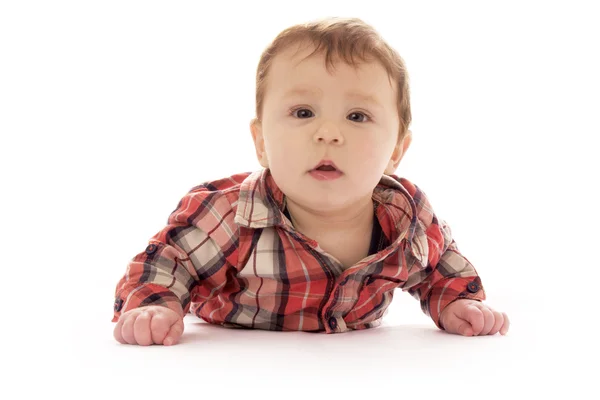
319	93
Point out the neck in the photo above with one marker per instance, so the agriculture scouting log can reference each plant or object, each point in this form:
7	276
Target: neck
355	217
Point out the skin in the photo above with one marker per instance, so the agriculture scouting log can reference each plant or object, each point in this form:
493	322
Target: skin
295	133
310	114
473	318
149	325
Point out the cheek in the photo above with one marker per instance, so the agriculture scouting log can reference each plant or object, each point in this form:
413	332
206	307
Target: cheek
371	155
282	151
368	151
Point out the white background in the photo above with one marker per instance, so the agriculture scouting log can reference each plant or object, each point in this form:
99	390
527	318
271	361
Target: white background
110	111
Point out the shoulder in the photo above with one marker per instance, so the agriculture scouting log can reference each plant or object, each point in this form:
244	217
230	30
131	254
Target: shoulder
229	184
406	186
416	196
210	203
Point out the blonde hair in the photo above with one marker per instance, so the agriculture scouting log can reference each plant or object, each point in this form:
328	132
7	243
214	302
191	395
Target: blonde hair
348	39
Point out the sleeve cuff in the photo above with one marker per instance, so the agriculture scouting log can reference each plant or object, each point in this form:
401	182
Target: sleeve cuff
146	295
451	289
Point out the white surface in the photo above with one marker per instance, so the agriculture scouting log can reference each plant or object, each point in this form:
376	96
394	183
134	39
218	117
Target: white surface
110	111
406	355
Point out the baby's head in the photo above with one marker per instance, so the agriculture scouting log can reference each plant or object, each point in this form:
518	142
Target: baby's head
331	90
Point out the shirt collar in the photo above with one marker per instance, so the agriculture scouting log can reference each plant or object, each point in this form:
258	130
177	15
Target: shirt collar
261	204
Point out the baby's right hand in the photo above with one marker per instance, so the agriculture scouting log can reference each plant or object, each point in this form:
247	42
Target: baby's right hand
149	325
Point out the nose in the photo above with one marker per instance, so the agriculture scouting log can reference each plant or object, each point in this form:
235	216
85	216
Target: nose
328	133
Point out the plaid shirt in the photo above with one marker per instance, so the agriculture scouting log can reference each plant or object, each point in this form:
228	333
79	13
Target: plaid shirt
230	255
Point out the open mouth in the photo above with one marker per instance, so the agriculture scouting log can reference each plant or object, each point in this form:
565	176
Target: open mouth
325	171
326	168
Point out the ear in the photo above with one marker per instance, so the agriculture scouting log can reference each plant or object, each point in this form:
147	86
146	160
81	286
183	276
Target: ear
399	151
259	142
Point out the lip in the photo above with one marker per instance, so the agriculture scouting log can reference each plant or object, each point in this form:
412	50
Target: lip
326	162
325	175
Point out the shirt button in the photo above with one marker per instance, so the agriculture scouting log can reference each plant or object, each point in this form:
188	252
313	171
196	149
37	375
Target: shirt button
151	249
473	287
332	323
118	304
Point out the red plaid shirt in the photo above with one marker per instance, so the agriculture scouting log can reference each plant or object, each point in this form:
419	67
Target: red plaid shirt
229	255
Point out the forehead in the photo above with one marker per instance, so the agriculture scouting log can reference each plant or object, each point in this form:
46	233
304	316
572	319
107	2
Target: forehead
296	66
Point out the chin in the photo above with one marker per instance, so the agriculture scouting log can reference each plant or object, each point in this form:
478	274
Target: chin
320	202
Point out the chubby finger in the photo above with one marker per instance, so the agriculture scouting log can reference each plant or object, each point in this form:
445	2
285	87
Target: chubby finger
488	320
117	331
506	324
459	320
464	328
498	322
127	329
159	327
141	329
174	333
474	316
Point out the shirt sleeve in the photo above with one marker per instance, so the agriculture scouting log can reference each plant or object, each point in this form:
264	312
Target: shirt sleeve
438	273
177	259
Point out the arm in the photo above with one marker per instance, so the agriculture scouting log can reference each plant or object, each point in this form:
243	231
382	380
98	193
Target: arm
161	275
438	273
179	257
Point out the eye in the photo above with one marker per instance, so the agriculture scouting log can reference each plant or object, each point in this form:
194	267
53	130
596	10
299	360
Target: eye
302	113
358	117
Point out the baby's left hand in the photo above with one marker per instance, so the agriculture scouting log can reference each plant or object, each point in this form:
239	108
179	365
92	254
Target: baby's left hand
472	318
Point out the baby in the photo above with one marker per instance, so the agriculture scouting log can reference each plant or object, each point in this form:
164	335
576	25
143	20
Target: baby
320	237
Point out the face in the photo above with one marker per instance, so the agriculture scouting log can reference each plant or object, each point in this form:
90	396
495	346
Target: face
348	116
